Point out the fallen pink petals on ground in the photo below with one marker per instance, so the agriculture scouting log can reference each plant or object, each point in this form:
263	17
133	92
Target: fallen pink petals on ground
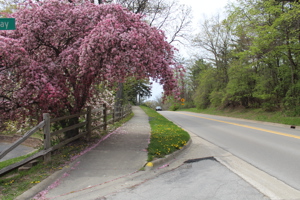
42	195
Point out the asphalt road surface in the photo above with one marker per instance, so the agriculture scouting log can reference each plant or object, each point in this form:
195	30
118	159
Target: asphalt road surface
206	179
18	151
271	148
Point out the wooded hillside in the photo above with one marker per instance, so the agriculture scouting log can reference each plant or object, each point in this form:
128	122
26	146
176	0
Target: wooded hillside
249	59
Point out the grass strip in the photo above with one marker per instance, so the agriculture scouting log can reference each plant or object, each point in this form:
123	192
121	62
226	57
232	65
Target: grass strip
166	137
15	160
252	114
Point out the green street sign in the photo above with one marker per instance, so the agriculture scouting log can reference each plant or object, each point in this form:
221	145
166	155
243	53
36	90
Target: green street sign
7	24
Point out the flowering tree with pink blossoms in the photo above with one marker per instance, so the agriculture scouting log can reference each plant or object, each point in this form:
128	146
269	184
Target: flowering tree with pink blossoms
61	51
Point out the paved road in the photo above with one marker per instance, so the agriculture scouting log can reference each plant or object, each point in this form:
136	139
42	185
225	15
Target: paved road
18	151
205	179
273	149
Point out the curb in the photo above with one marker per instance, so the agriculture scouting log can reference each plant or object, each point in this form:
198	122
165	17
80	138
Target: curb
44	184
160	161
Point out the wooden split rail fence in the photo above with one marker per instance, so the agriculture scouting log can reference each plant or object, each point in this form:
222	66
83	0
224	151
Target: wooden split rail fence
88	121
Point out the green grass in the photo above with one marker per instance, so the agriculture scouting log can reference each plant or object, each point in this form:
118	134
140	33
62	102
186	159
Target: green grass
252	114
15	160
15	183
166	137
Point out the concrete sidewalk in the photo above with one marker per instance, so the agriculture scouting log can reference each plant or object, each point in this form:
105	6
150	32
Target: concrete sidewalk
123	152
111	170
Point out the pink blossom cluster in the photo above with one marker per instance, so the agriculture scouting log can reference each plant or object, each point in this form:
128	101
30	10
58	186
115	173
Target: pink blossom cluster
60	51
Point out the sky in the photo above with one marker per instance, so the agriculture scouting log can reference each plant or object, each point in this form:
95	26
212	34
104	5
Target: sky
200	9
205	7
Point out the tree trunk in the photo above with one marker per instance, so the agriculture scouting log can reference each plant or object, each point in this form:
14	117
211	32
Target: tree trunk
119	98
70	122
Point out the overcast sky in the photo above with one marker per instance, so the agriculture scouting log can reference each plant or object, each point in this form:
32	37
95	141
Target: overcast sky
200	9
206	7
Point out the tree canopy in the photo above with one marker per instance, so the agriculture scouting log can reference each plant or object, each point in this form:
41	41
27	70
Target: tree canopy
61	51
251	57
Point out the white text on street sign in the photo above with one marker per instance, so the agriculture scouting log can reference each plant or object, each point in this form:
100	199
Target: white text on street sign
7	24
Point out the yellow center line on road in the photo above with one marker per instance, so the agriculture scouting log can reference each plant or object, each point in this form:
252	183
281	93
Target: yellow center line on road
251	127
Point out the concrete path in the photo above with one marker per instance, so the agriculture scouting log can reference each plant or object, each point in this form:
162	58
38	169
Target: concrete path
122	153
111	170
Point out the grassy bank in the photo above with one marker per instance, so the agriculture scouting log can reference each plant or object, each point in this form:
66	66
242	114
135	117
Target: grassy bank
166	137
252	114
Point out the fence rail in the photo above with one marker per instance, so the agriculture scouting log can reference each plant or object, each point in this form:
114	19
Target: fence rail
88	121
22	139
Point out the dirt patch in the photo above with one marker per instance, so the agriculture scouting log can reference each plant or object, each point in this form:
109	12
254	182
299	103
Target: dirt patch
31	142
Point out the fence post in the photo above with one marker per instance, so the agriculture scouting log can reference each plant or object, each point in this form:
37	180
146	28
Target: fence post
121	112
116	113
47	139
104	117
128	109
113	114
88	122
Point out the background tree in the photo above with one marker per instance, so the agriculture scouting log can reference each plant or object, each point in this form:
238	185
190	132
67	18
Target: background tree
8	6
254	54
136	90
192	80
169	16
272	28
214	42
